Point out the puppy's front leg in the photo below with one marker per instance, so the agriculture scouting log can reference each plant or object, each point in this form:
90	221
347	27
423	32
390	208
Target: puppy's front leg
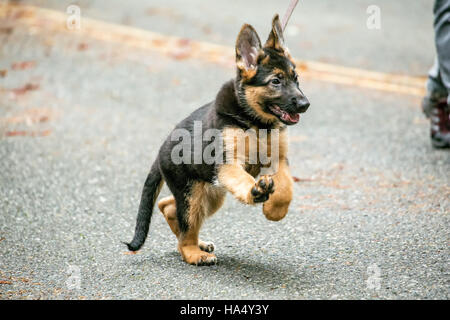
277	206
243	186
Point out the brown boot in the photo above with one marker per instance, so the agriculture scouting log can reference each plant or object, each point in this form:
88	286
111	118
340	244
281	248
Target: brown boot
439	114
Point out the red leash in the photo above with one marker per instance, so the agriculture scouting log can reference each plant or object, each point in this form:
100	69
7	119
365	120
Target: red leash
288	13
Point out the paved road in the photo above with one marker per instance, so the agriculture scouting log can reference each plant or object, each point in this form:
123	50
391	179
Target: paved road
81	122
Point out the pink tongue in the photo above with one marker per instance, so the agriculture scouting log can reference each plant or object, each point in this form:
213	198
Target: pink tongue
291	117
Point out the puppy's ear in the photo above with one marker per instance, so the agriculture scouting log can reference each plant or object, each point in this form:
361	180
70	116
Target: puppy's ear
248	49
276	39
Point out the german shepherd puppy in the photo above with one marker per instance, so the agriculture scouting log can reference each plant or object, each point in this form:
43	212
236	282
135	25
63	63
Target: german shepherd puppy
265	95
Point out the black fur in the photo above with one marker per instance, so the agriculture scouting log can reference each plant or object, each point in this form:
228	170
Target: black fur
148	198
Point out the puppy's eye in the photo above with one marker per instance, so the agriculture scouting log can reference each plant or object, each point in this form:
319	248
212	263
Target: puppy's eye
275	81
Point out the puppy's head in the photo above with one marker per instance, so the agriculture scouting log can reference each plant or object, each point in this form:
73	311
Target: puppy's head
266	81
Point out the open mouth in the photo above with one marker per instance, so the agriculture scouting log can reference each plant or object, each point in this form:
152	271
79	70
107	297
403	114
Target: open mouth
286	117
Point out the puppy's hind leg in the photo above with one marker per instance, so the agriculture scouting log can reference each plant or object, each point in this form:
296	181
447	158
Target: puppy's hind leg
191	212
168	208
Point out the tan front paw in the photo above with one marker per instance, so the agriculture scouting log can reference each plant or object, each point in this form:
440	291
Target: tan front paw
206	246
275	211
262	189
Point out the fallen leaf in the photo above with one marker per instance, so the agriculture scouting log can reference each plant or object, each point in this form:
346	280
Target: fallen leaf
183	50
6	30
181	53
184	42
23	65
297	179
83	46
25	89
18	133
3	73
5	282
130	252
206	29
302	67
31	116
158	42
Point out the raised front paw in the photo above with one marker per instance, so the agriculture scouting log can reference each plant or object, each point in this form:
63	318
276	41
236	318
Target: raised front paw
262	189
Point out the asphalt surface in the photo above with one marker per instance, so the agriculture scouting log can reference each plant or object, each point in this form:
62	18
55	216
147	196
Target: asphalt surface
81	122
326	31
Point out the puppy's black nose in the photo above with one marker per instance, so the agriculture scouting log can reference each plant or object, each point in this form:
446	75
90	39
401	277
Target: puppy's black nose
302	104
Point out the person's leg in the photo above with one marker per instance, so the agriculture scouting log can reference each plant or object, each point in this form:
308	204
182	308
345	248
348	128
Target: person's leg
436	91
436	104
442	39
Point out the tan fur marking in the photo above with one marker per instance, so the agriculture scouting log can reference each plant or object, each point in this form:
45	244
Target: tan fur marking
274	43
265	60
283	145
246	73
241	147
277	71
197	211
204	200
280	155
235	177
213	199
169	210
254	96
188	242
253	141
237	181
270	43
234	139
277	206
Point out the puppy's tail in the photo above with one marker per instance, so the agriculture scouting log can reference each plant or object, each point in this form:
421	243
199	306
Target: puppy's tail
152	187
